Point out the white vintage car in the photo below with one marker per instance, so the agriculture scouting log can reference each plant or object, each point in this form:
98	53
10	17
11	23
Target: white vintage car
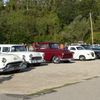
10	62
82	54
30	57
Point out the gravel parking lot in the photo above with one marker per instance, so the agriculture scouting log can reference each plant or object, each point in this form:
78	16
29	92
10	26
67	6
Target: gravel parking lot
48	76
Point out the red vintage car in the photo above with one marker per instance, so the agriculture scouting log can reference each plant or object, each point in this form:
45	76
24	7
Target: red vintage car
53	52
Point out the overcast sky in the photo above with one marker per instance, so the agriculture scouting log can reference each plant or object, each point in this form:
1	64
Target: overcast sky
5	1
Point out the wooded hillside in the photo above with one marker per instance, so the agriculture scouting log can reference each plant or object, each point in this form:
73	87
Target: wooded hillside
26	21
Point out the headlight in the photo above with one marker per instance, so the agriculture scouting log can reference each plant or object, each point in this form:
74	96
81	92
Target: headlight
4	60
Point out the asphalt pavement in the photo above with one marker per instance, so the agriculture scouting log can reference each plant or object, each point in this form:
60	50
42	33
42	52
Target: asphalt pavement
86	90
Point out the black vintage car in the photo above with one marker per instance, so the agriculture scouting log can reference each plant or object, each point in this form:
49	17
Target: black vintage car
95	48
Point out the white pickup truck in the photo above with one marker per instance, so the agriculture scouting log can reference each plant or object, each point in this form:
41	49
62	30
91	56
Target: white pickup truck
10	62
30	57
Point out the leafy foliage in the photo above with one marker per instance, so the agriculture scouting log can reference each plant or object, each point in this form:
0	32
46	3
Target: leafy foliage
77	30
25	21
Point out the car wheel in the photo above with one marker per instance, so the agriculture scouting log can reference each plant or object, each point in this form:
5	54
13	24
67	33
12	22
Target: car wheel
56	59
82	58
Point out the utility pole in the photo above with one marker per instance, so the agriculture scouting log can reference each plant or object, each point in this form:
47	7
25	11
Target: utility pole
91	28
27	5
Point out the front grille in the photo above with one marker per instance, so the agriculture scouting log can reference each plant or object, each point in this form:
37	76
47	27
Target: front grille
36	58
12	66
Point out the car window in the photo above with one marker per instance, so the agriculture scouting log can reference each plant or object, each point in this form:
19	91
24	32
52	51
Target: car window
80	48
6	49
54	45
43	46
95	48
86	47
18	48
72	48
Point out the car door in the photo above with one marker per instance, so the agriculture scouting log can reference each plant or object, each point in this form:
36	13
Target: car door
74	50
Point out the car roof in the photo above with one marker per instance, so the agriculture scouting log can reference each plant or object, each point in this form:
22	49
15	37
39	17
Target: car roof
74	46
9	45
45	42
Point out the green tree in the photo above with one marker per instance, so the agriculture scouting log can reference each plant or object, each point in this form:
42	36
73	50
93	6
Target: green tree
77	30
67	10
45	20
87	6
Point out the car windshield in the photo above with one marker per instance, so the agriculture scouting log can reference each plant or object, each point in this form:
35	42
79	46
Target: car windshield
80	48
86	47
54	45
18	48
96	48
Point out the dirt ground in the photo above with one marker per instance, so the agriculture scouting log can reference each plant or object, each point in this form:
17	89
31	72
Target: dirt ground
48	76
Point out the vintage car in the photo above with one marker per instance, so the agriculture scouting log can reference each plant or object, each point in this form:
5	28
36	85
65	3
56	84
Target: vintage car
10	62
52	52
95	48
30	57
81	53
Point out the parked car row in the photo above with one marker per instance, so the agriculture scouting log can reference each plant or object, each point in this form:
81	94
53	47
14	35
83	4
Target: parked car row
17	57
54	53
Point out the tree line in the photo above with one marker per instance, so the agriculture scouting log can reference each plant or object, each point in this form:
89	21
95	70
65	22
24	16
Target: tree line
27	21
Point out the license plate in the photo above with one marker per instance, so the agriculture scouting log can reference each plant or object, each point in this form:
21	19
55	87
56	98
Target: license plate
34	61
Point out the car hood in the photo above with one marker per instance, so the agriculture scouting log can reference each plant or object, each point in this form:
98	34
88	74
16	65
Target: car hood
10	58
87	51
25	53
